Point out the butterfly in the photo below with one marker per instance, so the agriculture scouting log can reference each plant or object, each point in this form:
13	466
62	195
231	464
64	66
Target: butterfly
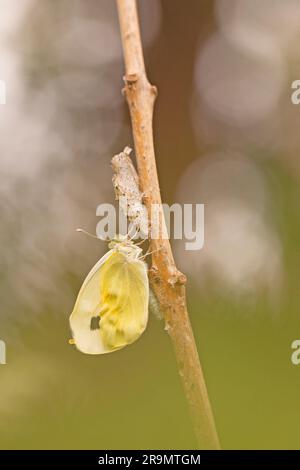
111	310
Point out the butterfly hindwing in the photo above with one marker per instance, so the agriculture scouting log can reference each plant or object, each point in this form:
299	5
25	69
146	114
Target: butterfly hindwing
125	296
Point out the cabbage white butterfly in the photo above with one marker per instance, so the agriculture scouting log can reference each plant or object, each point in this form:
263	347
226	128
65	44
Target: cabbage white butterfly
111	310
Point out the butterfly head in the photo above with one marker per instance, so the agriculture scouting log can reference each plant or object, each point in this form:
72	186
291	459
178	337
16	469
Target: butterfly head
125	245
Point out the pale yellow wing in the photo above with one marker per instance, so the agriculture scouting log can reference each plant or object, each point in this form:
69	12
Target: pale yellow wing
124	297
111	309
86	312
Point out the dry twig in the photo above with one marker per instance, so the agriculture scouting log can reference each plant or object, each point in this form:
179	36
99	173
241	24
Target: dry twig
167	282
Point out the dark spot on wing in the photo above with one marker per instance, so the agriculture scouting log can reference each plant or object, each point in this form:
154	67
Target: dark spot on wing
95	323
111	296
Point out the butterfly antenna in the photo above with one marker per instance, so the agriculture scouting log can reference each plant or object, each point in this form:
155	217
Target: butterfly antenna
131	238
143	241
87	233
149	253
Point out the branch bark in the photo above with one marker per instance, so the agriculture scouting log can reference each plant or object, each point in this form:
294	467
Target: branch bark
167	282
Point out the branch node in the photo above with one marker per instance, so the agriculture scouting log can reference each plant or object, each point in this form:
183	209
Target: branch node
154	91
177	278
130	78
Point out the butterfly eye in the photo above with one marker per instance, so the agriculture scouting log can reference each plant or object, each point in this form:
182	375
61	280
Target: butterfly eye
95	323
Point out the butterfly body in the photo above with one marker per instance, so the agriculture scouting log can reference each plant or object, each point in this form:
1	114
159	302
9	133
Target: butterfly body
111	310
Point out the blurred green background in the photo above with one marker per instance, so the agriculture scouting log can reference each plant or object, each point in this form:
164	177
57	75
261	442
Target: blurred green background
226	135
